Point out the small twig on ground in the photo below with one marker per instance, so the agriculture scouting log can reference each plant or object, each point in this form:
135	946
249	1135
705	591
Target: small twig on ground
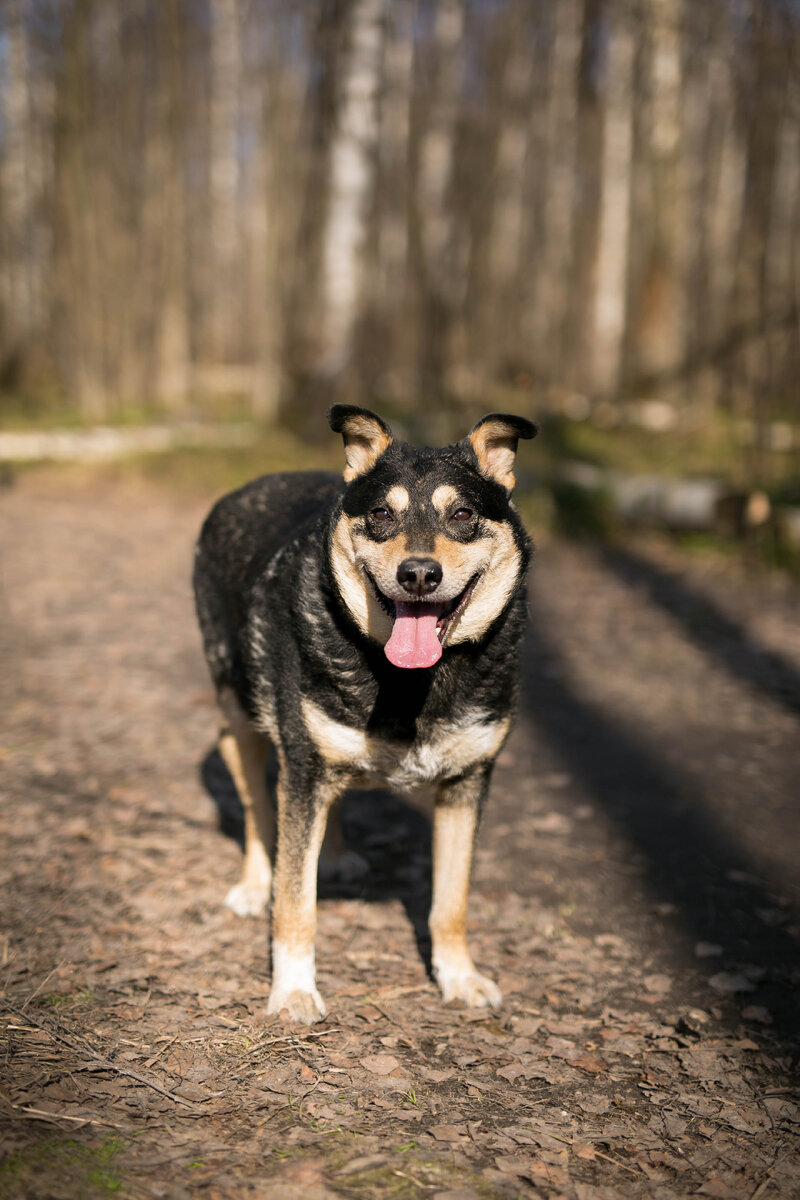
37	989
763	1185
98	1061
418	1182
41	1114
158	1053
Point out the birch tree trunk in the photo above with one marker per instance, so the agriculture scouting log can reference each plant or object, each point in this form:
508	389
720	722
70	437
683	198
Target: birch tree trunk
23	171
352	176
587	195
172	348
613	235
224	178
391	291
441	274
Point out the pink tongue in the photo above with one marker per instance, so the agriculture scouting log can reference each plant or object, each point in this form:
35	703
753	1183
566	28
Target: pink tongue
414	642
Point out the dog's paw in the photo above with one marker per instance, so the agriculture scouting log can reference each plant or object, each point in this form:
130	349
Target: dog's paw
305	1007
472	989
248	899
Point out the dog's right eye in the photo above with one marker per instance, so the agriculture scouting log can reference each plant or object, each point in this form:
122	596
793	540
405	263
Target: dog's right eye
381	514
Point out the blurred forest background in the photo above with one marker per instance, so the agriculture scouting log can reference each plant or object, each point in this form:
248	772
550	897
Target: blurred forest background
589	208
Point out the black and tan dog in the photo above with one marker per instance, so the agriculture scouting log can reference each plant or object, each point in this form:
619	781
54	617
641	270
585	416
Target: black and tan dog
371	628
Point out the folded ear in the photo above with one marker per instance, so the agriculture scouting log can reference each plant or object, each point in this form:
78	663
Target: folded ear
494	441
365	435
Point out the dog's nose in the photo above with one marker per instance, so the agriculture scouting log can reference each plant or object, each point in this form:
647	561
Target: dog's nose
419	576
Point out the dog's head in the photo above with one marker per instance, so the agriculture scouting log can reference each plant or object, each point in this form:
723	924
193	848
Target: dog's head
427	550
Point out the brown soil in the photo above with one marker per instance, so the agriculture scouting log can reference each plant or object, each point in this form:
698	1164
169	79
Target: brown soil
636	894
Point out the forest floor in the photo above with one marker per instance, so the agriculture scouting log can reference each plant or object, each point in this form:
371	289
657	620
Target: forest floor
636	894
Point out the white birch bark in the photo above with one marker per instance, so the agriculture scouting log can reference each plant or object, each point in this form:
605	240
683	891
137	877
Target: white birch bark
437	155
612	257
224	172
15	178
173	353
352	175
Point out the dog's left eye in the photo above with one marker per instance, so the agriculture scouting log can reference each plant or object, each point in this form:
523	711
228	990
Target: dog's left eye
462	514
381	514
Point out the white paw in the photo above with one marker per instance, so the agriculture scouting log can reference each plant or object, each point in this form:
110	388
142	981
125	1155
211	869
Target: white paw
248	899
305	1007
471	988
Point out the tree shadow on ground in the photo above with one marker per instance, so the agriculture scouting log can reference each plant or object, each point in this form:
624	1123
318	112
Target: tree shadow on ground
662	813
392	836
708	627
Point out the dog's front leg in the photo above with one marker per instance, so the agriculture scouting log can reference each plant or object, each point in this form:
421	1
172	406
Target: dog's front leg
455	822
302	815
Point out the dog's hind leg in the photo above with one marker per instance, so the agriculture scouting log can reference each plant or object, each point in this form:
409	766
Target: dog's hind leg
338	864
245	752
455	823
302	816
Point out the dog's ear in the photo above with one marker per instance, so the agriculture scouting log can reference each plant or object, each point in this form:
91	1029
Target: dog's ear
365	435
494	443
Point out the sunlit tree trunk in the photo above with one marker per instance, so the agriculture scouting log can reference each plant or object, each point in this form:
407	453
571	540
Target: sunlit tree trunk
613	235
224	175
660	340
352	177
25	180
391	241
587	194
441	266
172	344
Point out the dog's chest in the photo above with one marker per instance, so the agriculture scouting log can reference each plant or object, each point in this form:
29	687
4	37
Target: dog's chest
447	747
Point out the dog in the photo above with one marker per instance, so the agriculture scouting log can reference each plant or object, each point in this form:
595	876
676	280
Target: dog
366	627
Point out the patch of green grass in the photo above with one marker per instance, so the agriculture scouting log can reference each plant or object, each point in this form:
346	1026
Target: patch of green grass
709	449
414	1177
69	999
582	512
209	470
205	471
65	1168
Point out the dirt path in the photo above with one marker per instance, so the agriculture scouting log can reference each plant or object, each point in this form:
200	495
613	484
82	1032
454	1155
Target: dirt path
636	893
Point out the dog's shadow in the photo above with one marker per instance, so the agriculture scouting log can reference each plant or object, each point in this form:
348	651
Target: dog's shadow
391	836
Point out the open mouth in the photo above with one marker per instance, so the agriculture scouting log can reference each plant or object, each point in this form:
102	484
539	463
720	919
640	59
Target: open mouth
420	626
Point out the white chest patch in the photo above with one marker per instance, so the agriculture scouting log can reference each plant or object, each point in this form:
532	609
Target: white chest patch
451	747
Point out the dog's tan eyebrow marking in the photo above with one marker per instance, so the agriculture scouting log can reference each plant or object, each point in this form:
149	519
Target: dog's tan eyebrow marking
398	498
443	497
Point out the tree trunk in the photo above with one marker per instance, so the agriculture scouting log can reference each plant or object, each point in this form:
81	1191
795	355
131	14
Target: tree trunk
224	171
352	176
613	235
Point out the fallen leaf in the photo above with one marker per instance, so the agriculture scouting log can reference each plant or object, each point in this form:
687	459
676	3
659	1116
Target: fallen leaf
658	984
590	1062
448	1133
511	1071
729	982
755	1012
380	1064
